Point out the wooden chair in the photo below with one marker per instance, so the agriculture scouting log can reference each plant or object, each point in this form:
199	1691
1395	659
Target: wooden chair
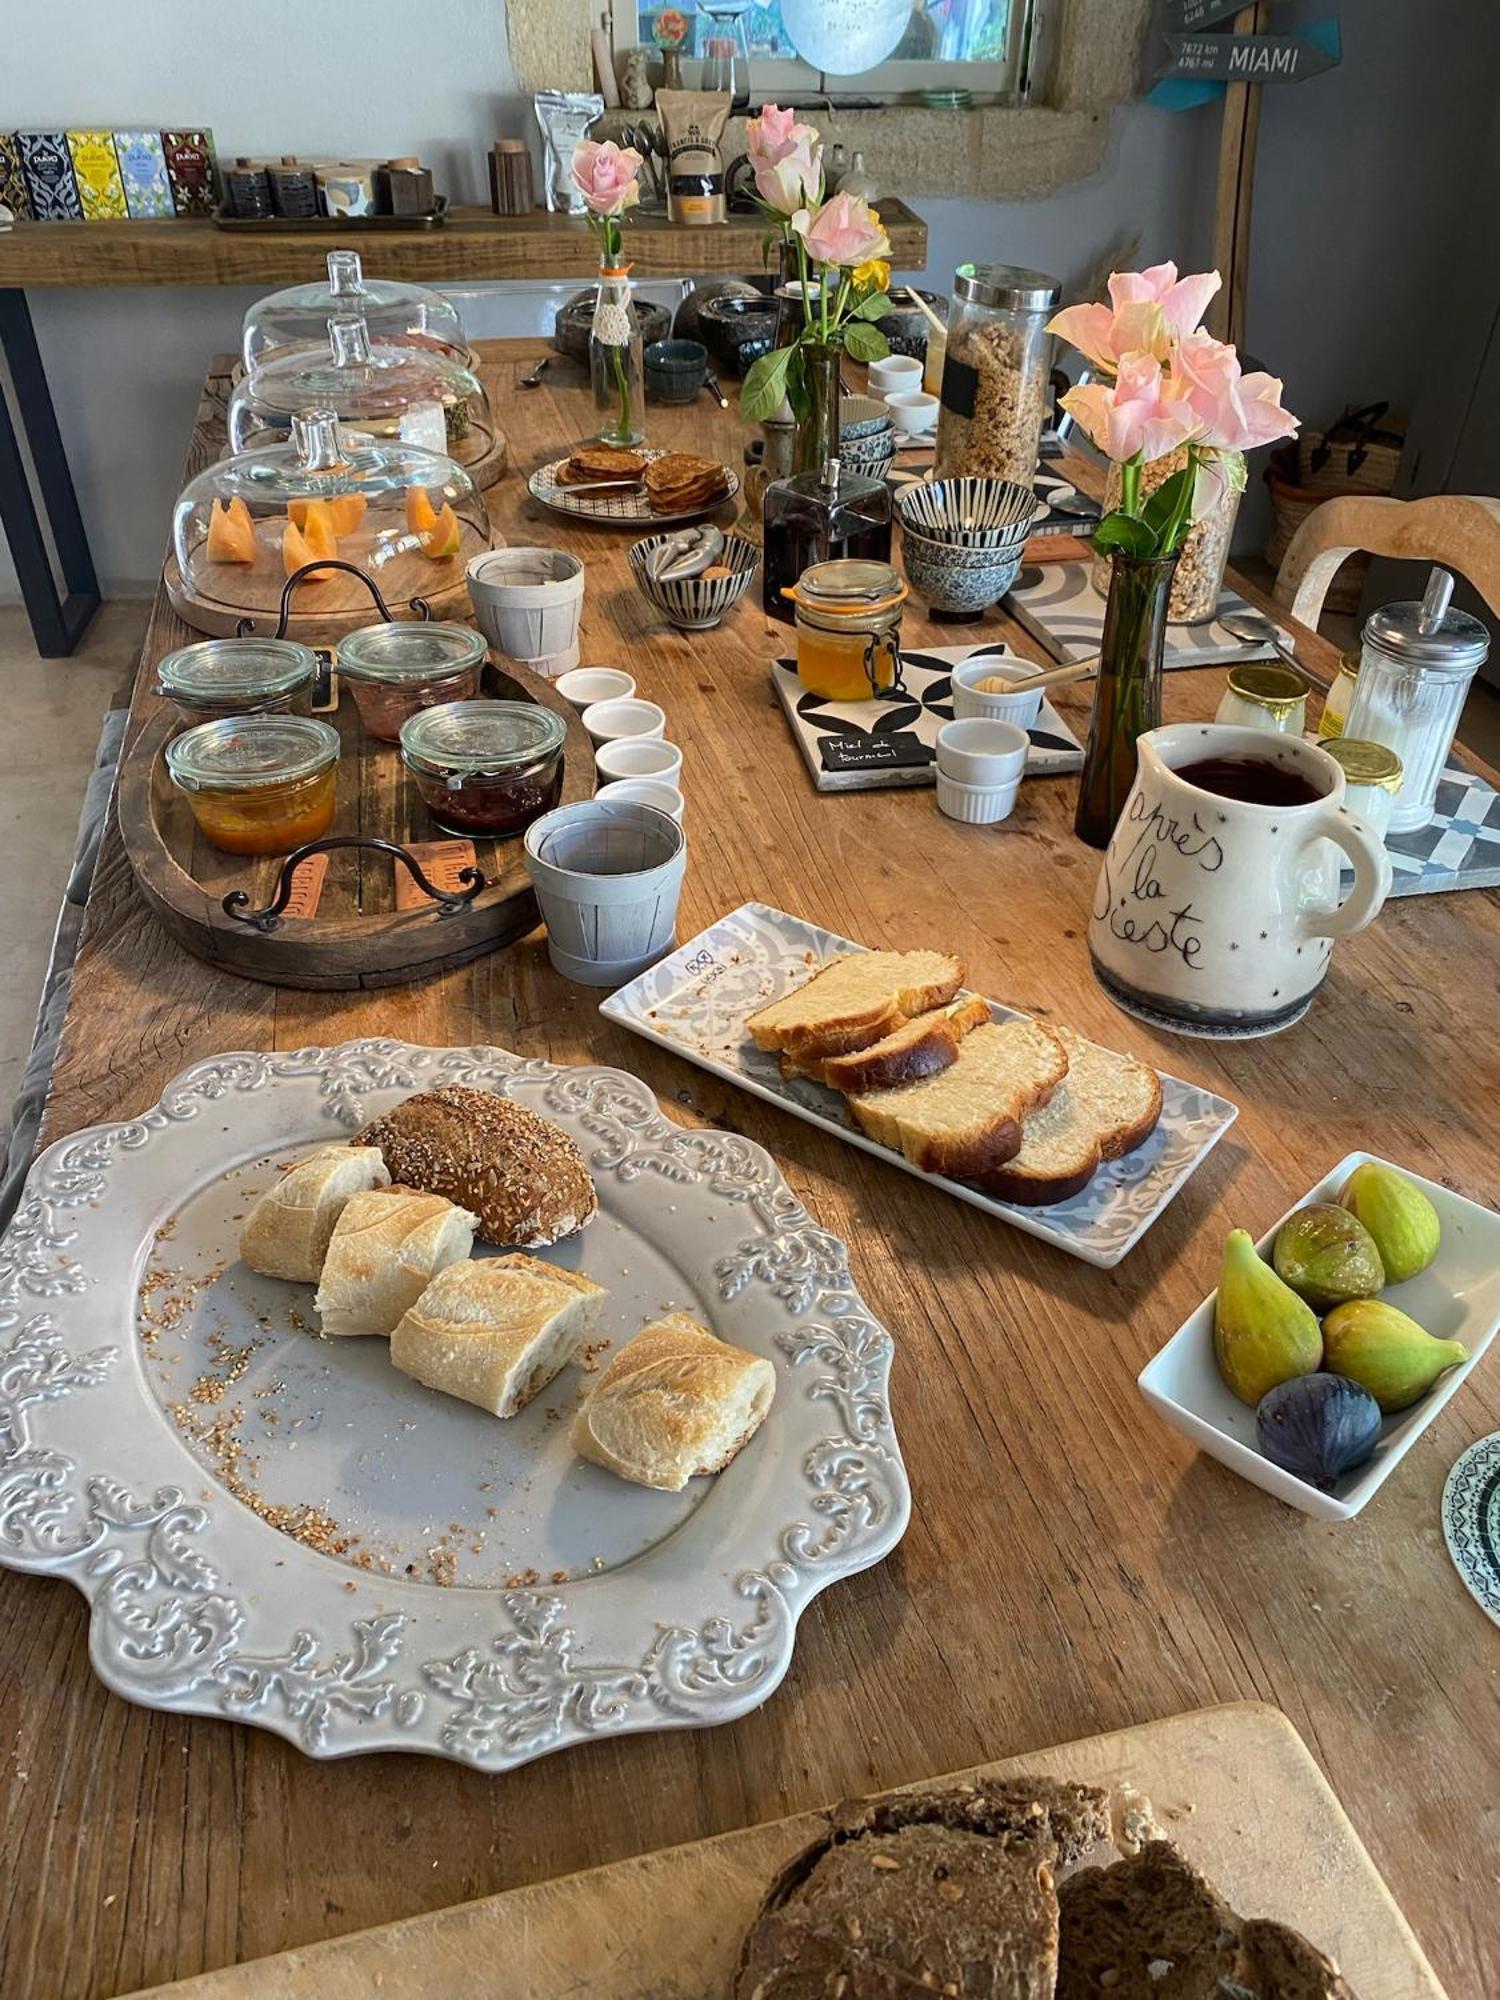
1460	531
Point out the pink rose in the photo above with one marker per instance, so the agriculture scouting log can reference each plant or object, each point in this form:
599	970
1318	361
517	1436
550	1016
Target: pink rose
793	180
1142	413
1237	412
844	231
770	136
1149	312
606	176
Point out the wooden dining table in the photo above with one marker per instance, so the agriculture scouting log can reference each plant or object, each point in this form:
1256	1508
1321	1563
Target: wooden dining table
1072	1564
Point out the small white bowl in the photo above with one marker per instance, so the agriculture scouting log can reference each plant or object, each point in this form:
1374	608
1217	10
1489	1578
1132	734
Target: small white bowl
1456	1297
896	374
645	792
608	721
969	705
640	757
914	411
590	684
976	805
979	752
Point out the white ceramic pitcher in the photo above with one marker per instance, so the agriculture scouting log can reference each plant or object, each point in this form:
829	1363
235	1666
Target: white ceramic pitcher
1214	916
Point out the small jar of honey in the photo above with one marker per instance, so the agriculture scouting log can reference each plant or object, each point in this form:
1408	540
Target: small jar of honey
258	784
848	629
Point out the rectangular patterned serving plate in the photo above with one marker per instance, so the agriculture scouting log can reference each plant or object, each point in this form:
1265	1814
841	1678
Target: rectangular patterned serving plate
697	1000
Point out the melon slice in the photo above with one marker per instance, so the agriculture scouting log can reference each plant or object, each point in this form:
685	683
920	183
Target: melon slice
442	539
299	548
303	511
348	510
231	533
420	517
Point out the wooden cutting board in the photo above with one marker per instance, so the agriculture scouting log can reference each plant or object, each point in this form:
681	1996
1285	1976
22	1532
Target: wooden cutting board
1235	1787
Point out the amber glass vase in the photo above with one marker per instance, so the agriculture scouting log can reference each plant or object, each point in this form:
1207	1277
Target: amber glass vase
1127	690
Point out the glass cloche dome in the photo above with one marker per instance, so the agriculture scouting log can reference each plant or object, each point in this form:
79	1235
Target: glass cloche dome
406	517
377	387
407	314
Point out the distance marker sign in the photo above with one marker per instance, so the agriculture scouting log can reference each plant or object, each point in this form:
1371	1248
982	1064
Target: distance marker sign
1245	58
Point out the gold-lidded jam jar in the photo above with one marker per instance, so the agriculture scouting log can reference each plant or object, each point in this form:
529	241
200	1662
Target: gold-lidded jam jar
485	767
258	784
1372	779
222	677
397	669
848	628
1264	694
1336	701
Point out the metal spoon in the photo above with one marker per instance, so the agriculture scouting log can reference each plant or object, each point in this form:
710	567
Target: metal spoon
711	383
534	379
1256	629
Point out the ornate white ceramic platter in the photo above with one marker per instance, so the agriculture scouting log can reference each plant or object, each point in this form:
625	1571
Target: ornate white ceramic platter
284	1530
1471	1521
697	1001
618	510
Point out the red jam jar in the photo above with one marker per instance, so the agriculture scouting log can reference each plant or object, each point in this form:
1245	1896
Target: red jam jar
398	669
488	767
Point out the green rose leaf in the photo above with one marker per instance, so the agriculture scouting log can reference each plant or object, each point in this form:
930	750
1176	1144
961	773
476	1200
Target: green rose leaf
1124	531
865	342
1170	497
764	388
876	306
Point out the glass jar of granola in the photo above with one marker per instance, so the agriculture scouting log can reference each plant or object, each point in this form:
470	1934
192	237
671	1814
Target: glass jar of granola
995	372
1205	549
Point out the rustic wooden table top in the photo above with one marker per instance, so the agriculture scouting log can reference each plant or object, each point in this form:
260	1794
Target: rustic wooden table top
1072	1564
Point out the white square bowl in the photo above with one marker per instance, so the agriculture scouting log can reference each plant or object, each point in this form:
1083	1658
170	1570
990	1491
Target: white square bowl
1456	1297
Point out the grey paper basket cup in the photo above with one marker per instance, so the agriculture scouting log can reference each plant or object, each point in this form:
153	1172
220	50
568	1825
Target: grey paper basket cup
607	876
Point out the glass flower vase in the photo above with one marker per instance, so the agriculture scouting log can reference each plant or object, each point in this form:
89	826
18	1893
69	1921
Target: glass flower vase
814	391
1127	689
615	367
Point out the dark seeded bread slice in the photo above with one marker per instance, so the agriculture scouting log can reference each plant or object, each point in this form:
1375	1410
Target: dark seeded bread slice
920	1047
966	1120
1277	1963
1105	1107
855	1000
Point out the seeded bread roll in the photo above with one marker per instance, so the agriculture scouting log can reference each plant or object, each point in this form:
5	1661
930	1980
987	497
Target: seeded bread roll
520	1174
286	1233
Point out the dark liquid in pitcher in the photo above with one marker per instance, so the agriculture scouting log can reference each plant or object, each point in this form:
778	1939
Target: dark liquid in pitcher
1255	781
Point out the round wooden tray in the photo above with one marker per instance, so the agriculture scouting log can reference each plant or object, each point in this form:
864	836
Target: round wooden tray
358	937
323	609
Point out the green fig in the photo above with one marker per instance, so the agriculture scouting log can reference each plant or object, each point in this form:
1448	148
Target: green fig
1263	1333
1327	1255
1401	1219
1386	1352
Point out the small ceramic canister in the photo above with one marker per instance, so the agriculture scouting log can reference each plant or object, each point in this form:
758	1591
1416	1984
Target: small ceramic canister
1372	779
606	721
976	752
640	757
607	877
1263	694
974	698
586	685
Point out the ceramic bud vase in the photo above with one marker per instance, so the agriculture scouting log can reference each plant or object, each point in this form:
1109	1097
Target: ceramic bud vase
615	360
1127	689
815	403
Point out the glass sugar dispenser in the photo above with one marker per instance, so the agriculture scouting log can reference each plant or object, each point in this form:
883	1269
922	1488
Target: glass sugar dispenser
410	315
1416	663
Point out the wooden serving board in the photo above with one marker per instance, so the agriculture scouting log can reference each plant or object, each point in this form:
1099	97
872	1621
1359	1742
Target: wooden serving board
324	609
359	934
1235	1787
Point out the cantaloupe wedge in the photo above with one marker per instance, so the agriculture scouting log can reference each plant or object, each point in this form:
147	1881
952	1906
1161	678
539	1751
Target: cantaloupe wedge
420	517
231	533
299	548
303	511
348	510
442	539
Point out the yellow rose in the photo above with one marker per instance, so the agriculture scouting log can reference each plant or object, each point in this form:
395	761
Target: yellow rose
875	276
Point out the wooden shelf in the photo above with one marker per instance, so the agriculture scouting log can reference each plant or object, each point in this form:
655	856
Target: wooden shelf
472	245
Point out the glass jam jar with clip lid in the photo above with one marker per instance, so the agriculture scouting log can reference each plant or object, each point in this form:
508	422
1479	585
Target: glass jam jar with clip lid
848	629
258	784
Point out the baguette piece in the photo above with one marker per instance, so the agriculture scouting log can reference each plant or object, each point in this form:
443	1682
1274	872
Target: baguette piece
966	1121
921	1046
1105	1107
521	1175
674	1403
495	1332
286	1233
386	1248
854	1000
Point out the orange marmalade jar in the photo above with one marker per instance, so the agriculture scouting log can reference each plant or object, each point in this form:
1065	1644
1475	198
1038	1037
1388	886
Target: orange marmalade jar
848	628
258	784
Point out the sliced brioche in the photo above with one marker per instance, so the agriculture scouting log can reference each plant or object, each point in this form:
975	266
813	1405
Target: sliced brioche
497	1331
855	1000
920	1047
674	1403
1105	1106
386	1248
966	1120
286	1233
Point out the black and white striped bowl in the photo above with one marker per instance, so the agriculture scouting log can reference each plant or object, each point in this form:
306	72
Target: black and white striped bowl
969	513
696	603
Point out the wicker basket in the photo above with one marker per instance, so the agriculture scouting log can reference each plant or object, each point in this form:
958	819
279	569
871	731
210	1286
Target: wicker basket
1291	503
1361	453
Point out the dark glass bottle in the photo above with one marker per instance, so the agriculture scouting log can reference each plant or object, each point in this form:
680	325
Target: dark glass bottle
816	517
